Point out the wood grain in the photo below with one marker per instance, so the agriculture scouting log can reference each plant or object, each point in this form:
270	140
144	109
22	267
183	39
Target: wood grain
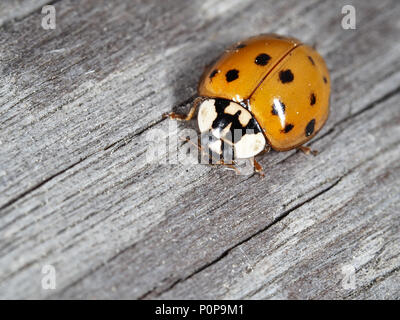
80	107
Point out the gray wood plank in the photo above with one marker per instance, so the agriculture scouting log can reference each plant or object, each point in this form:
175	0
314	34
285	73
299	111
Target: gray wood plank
77	192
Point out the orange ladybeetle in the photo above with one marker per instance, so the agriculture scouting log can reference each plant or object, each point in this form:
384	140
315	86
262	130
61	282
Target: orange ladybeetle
275	90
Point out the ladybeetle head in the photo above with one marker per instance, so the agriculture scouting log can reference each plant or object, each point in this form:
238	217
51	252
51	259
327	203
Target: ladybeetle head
229	129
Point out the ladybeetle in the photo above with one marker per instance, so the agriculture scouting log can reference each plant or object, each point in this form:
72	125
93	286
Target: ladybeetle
274	90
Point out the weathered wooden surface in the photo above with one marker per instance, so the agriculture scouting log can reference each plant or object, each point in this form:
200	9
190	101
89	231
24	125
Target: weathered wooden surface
76	191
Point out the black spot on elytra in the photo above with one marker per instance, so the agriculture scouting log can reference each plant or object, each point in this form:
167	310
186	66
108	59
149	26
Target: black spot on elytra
325	80
232	75
311	60
313	99
286	76
262	59
310	128
288	127
275	108
214	73
240	46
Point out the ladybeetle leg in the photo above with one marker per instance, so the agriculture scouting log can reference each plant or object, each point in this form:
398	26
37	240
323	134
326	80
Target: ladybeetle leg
184	117
258	168
307	150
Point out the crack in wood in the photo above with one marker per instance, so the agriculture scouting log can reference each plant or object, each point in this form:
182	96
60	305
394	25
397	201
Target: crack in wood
26	192
154	294
127	139
374	282
119	144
